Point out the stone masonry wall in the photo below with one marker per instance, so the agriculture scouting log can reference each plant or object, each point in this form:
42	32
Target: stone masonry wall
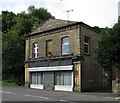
74	45
91	71
116	87
116	82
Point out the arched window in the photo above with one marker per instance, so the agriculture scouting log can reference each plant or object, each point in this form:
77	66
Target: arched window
65	45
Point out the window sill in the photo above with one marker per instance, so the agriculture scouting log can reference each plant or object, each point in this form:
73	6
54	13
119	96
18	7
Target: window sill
65	54
35	58
36	86
63	88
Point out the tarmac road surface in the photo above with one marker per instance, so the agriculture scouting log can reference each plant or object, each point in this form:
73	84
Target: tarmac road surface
10	93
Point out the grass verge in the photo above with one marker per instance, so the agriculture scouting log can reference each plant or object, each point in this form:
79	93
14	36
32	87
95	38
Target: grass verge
8	83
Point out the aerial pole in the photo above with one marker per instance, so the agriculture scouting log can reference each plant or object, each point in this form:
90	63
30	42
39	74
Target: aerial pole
68	14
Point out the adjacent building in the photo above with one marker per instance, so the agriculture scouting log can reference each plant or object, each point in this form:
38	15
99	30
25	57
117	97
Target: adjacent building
60	56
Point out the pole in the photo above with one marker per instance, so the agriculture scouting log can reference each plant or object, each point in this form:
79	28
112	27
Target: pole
68	14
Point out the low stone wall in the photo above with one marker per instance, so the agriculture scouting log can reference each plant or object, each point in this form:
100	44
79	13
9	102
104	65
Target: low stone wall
119	89
116	87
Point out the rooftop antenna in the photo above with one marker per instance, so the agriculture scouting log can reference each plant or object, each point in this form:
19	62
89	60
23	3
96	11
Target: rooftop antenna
68	14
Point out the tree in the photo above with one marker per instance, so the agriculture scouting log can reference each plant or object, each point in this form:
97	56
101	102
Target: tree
107	52
0	46
14	28
7	20
13	57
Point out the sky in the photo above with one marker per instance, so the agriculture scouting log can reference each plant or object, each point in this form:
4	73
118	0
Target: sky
102	13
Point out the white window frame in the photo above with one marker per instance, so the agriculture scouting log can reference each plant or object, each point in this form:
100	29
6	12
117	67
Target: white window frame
35	50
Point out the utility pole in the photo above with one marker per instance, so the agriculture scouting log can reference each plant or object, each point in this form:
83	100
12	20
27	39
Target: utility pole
118	9
68	14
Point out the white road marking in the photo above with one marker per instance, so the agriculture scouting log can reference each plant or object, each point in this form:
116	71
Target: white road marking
62	100
66	101
109	97
25	95
8	92
40	97
36	96
117	97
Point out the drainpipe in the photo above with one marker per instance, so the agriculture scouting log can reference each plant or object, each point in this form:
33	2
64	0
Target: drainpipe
80	55
80	38
29	60
29	49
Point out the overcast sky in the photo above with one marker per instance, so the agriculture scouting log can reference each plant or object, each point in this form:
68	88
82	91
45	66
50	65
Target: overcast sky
102	13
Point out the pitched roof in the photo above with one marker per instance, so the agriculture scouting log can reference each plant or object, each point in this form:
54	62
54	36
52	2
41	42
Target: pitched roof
52	24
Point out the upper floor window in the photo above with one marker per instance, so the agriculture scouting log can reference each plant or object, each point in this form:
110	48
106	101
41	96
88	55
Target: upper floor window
35	50
65	45
87	45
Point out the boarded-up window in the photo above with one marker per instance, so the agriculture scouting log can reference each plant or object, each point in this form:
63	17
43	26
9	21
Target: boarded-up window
49	48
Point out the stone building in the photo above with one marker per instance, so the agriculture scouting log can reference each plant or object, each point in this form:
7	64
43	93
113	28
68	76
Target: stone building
60	56
116	81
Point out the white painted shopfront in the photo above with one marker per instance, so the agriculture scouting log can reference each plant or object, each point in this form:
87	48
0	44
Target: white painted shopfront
63	77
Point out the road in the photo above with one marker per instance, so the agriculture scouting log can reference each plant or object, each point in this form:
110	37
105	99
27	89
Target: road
26	94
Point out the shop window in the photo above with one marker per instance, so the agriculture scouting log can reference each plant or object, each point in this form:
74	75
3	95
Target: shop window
63	78
37	78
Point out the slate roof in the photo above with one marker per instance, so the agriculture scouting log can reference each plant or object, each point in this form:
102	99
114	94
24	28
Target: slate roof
52	24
